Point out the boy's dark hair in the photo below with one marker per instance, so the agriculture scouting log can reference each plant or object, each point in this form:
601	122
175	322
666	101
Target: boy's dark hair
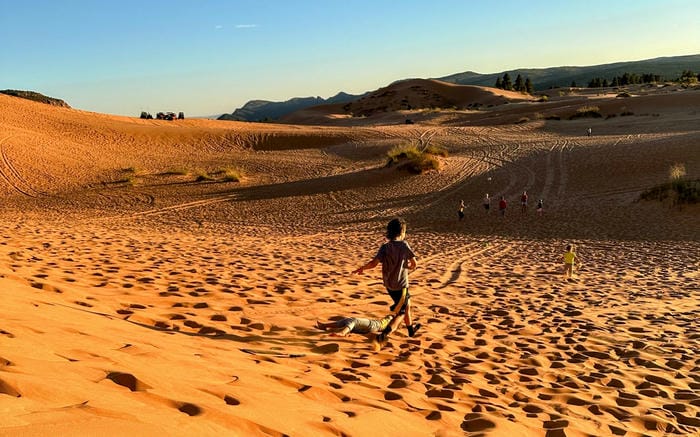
395	228
568	247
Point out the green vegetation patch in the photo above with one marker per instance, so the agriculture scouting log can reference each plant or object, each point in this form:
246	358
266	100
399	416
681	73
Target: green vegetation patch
416	161
680	190
587	112
222	175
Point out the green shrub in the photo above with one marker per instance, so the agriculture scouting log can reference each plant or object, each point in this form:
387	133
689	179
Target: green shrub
624	94
543	99
587	111
683	191
676	172
680	189
399	153
410	158
231	175
202	176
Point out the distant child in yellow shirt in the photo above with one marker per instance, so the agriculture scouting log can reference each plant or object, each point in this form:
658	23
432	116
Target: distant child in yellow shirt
569	259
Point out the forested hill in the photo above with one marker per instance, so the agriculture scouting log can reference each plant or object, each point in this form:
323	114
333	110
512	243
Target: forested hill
668	68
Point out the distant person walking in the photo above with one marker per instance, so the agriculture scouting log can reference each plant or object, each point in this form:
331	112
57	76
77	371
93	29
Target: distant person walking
523	202
540	207
396	258
569	259
487	203
502	205
460	211
589	131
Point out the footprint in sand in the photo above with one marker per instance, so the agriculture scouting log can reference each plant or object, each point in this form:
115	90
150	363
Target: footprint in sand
7	389
127	380
230	400
189	409
391	396
475	422
326	348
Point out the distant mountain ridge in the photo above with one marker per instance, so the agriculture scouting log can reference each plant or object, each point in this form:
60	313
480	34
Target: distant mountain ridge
263	110
669	68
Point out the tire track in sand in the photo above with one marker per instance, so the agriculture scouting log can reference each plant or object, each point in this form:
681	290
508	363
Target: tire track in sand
10	174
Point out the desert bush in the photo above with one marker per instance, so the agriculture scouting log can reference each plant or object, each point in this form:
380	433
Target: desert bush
231	175
409	157
624	94
544	98
626	113
399	153
202	176
680	189
676	172
587	111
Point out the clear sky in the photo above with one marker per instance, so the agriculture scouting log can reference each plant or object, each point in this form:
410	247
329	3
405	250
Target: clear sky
207	57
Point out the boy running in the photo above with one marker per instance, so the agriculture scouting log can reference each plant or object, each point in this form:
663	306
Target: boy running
396	258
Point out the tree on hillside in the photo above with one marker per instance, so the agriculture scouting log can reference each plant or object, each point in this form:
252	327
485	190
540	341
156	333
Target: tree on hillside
688	77
573	84
529	88
519	84
499	83
507	83
596	82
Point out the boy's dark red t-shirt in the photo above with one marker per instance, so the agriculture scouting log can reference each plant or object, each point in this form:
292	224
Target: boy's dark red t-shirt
502	204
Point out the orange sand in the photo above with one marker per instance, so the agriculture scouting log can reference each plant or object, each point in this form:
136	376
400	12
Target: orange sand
138	300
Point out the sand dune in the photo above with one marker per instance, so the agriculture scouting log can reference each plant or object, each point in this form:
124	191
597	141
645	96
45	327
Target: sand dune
141	300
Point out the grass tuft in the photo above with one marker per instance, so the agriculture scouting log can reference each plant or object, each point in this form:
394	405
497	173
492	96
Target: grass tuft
587	112
232	175
679	189
416	161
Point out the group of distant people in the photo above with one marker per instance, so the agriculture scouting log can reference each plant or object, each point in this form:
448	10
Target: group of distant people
503	205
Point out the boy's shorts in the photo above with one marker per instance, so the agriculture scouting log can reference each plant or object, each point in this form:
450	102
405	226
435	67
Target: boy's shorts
396	297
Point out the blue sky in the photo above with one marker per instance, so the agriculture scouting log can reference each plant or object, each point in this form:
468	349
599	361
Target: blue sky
207	57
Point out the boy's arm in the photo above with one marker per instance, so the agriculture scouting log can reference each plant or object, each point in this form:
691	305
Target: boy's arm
412	263
370	265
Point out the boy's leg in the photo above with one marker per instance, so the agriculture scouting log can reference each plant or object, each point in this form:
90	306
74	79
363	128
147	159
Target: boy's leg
567	270
408	318
391	327
327	325
342	333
